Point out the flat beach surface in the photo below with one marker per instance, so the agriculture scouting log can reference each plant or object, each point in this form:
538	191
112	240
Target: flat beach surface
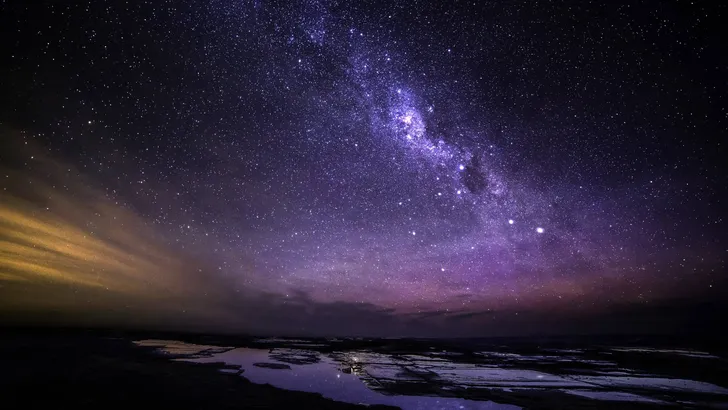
94	369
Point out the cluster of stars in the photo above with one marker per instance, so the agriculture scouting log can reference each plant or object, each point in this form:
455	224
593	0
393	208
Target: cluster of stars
470	162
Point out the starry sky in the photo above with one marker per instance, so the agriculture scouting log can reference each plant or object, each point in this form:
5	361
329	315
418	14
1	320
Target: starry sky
376	167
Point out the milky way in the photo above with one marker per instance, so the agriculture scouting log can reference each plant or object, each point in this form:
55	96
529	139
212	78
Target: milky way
405	156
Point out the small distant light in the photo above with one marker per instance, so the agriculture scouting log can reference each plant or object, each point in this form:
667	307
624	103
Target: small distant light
511	221
462	167
442	269
439	194
539	230
459	192
414	233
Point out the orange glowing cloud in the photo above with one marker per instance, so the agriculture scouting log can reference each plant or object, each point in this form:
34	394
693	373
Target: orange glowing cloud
60	237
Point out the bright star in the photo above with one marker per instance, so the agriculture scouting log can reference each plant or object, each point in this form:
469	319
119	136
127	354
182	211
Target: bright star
511	221
539	230
462	167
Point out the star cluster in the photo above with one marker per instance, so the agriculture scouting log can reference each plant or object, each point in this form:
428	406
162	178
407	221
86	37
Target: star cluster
413	156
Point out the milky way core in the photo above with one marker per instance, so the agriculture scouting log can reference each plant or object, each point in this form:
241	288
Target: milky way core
443	167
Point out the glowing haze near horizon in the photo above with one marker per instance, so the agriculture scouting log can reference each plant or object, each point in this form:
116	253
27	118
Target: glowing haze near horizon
417	160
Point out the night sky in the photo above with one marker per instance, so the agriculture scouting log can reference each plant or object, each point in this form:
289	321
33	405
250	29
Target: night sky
383	168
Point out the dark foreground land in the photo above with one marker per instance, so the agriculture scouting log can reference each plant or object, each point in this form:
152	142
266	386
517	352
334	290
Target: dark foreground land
80	369
84	370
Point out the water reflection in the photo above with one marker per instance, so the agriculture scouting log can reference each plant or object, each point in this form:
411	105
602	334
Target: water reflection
555	378
326	377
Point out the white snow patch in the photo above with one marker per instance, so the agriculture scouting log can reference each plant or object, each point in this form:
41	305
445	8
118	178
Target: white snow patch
613	396
174	347
682	352
494	377
656	383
